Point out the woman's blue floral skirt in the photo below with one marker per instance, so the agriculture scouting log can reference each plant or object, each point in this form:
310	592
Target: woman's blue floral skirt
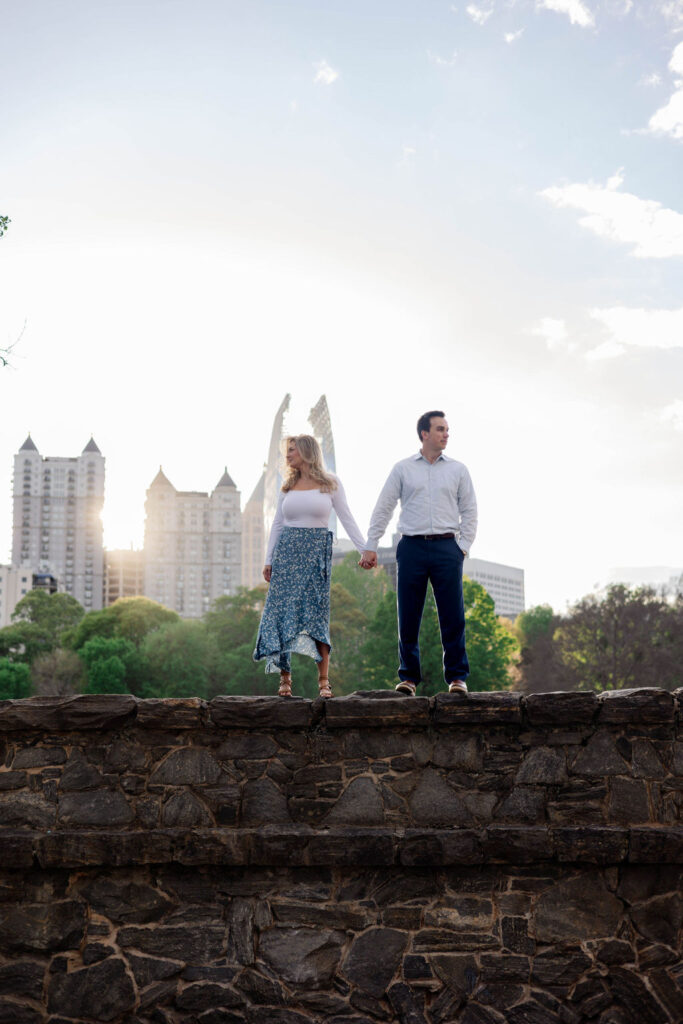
297	609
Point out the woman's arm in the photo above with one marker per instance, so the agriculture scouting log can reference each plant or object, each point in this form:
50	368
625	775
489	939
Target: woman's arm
275	531
341	507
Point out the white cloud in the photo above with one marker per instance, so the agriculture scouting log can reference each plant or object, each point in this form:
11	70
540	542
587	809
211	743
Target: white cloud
446	62
654	231
324	73
607	350
642	328
673	414
512	37
480	15
673	10
554	333
651	80
668	120
577	11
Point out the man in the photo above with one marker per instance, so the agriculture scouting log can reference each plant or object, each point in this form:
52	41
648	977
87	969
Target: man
438	522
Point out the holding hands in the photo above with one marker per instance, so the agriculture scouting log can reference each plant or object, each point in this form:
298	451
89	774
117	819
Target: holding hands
368	560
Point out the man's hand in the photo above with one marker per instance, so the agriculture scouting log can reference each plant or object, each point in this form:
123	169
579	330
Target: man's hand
368	560
267	570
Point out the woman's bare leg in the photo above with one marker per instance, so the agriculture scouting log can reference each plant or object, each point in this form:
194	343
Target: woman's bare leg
323	669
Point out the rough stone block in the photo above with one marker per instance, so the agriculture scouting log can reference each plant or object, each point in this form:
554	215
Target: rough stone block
543	766
628	802
577	908
656	844
440	847
302	956
103	992
373	959
25	810
435	802
185	810
171	713
123	900
645	706
197	944
96	807
591	844
263	713
565	708
22	979
42	927
190	766
360	804
64	714
600	757
384	709
517	844
38	757
492	708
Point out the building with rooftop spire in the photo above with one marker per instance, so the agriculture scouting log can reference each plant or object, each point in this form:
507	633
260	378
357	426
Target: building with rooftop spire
192	551
57	524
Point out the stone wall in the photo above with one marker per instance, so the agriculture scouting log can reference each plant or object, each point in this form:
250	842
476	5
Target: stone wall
371	858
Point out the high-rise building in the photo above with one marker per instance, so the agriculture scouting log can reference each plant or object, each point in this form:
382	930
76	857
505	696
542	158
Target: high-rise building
124	574
504	583
57	529
253	537
192	550
14	584
259	511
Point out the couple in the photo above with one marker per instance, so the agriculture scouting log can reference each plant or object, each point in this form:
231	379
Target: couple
438	522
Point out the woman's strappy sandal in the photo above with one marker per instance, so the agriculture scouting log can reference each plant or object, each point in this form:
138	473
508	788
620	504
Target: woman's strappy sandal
324	687
285	687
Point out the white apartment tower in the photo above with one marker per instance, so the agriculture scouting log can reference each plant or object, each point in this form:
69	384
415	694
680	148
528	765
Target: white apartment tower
192	549
57	519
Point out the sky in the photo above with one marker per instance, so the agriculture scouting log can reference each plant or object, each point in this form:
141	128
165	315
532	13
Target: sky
402	205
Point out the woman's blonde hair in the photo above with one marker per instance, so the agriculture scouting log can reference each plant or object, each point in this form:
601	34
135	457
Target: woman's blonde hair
309	450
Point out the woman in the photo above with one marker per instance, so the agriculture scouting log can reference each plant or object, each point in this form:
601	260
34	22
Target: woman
296	616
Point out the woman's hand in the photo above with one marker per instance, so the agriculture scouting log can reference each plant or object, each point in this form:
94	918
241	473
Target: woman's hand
267	570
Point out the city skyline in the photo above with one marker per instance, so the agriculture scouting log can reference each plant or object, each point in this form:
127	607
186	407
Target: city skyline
468	207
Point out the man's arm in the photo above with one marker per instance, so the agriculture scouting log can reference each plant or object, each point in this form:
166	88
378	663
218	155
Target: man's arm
382	513
467	506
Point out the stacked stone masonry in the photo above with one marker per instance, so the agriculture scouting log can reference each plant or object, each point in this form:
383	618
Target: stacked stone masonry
452	860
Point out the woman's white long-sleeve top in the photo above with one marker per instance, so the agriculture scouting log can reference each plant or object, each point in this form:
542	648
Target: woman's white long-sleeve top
313	509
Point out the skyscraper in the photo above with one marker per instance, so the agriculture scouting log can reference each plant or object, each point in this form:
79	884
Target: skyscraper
192	547
259	511
57	526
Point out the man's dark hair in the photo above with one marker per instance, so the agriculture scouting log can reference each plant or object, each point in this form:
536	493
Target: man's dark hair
425	421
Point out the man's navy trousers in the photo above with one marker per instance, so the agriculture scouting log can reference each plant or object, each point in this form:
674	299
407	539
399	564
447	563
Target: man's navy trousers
438	560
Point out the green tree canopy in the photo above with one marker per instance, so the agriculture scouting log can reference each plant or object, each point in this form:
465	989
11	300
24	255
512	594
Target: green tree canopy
113	664
130	617
491	647
180	660
15	680
624	638
367	586
39	622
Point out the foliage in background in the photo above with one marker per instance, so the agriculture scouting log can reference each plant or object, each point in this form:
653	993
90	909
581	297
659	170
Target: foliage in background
15	680
39	622
491	646
4	224
624	638
59	673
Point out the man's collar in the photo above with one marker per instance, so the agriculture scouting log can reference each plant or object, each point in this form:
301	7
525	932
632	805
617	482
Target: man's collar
441	455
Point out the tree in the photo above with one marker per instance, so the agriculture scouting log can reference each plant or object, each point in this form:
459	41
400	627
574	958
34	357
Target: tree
540	668
58	673
624	638
347	632
130	617
368	587
39	622
113	665
15	680
491	647
4	224
180	660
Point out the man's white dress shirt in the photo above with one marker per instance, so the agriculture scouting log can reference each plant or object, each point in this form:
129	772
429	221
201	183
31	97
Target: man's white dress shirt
436	497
